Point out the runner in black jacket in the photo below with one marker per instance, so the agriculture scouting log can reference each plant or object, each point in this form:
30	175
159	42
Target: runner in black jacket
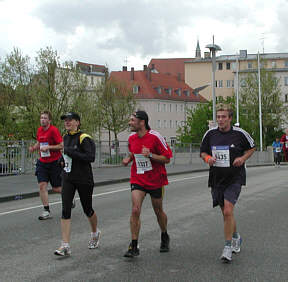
79	152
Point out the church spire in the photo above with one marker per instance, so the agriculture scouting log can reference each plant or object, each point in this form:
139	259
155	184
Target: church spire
198	51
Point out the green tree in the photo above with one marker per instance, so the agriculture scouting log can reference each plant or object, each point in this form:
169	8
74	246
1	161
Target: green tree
116	102
273	110
197	121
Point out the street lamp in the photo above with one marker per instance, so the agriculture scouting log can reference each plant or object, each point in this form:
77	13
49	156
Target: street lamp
213	49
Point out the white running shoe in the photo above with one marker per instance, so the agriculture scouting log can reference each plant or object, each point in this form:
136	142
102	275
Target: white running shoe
44	215
94	241
226	254
236	244
63	251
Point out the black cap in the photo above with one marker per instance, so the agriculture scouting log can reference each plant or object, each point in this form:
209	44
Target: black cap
71	116
143	116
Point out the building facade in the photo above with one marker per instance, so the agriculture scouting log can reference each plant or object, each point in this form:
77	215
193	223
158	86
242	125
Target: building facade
198	72
164	97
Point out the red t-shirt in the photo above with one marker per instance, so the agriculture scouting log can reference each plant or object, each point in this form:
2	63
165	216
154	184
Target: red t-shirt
51	136
145	172
284	139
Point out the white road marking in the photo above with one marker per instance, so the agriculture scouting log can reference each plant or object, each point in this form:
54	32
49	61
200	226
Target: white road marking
122	189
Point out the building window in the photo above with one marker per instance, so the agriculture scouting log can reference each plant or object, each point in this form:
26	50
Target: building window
186	93
250	65
178	91
286	80
173	141
170	124
168	91
181	108
273	64
176	123
135	89
220	66
158	107
170	108
286	98
228	66
286	64
219	83
165	124
158	89
176	108
228	83
158	123
164	108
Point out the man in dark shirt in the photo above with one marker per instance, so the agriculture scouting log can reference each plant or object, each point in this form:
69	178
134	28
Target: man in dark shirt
226	148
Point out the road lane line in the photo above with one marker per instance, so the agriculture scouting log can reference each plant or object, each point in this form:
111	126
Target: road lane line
122	189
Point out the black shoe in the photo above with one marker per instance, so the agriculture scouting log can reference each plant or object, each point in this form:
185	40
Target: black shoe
132	252
164	247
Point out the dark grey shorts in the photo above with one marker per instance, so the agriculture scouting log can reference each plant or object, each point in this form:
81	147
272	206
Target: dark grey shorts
230	193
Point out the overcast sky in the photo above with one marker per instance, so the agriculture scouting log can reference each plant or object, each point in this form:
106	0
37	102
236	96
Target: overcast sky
113	31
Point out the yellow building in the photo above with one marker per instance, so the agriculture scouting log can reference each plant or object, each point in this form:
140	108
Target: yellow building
198	72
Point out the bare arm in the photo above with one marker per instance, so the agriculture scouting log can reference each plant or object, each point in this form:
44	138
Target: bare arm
158	158
207	158
241	160
34	147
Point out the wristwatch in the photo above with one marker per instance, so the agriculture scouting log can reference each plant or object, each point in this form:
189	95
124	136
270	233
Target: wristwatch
150	155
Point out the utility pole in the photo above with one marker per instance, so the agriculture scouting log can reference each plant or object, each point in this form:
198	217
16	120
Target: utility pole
213	49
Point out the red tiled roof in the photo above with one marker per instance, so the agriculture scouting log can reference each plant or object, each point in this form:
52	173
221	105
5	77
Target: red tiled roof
148	89
171	66
87	64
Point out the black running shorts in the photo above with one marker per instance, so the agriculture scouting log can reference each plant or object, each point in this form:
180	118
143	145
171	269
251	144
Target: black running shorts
157	193
49	172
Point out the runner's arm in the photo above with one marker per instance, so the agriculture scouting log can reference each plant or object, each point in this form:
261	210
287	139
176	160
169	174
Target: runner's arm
34	147
241	160
207	158
128	159
57	147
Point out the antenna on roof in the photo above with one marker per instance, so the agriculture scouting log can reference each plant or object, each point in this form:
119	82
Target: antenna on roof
126	61
263	40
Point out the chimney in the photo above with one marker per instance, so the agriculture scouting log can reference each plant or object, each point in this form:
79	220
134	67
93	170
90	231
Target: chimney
207	55
179	76
124	68
148	74
132	73
145	67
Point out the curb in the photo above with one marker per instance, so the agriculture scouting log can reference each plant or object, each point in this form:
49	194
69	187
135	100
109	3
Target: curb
102	183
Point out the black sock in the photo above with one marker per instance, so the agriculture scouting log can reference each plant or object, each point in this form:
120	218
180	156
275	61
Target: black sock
164	235
134	244
46	208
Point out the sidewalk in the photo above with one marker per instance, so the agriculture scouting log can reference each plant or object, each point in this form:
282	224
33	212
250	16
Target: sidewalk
25	186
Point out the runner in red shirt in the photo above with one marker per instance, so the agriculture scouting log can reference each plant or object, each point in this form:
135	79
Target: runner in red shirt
48	169
284	141
149	153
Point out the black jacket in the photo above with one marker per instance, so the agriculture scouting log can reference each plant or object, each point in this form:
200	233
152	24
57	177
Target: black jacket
81	148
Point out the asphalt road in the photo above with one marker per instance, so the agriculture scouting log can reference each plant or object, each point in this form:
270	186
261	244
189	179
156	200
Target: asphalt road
196	232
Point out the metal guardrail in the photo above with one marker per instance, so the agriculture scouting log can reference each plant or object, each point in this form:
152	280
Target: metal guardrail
15	157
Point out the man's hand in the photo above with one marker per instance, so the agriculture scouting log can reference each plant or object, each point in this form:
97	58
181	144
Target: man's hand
238	162
44	148
211	161
145	151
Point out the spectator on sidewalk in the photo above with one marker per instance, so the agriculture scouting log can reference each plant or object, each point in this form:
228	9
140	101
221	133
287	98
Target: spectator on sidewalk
277	149
284	142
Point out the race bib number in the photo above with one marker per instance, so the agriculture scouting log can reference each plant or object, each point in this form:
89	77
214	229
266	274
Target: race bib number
67	163
222	155
278	149
142	163
44	154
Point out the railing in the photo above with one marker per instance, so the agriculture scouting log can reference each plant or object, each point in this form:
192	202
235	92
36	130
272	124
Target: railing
15	157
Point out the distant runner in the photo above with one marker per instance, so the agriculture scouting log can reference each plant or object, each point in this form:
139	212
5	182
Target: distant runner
48	169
